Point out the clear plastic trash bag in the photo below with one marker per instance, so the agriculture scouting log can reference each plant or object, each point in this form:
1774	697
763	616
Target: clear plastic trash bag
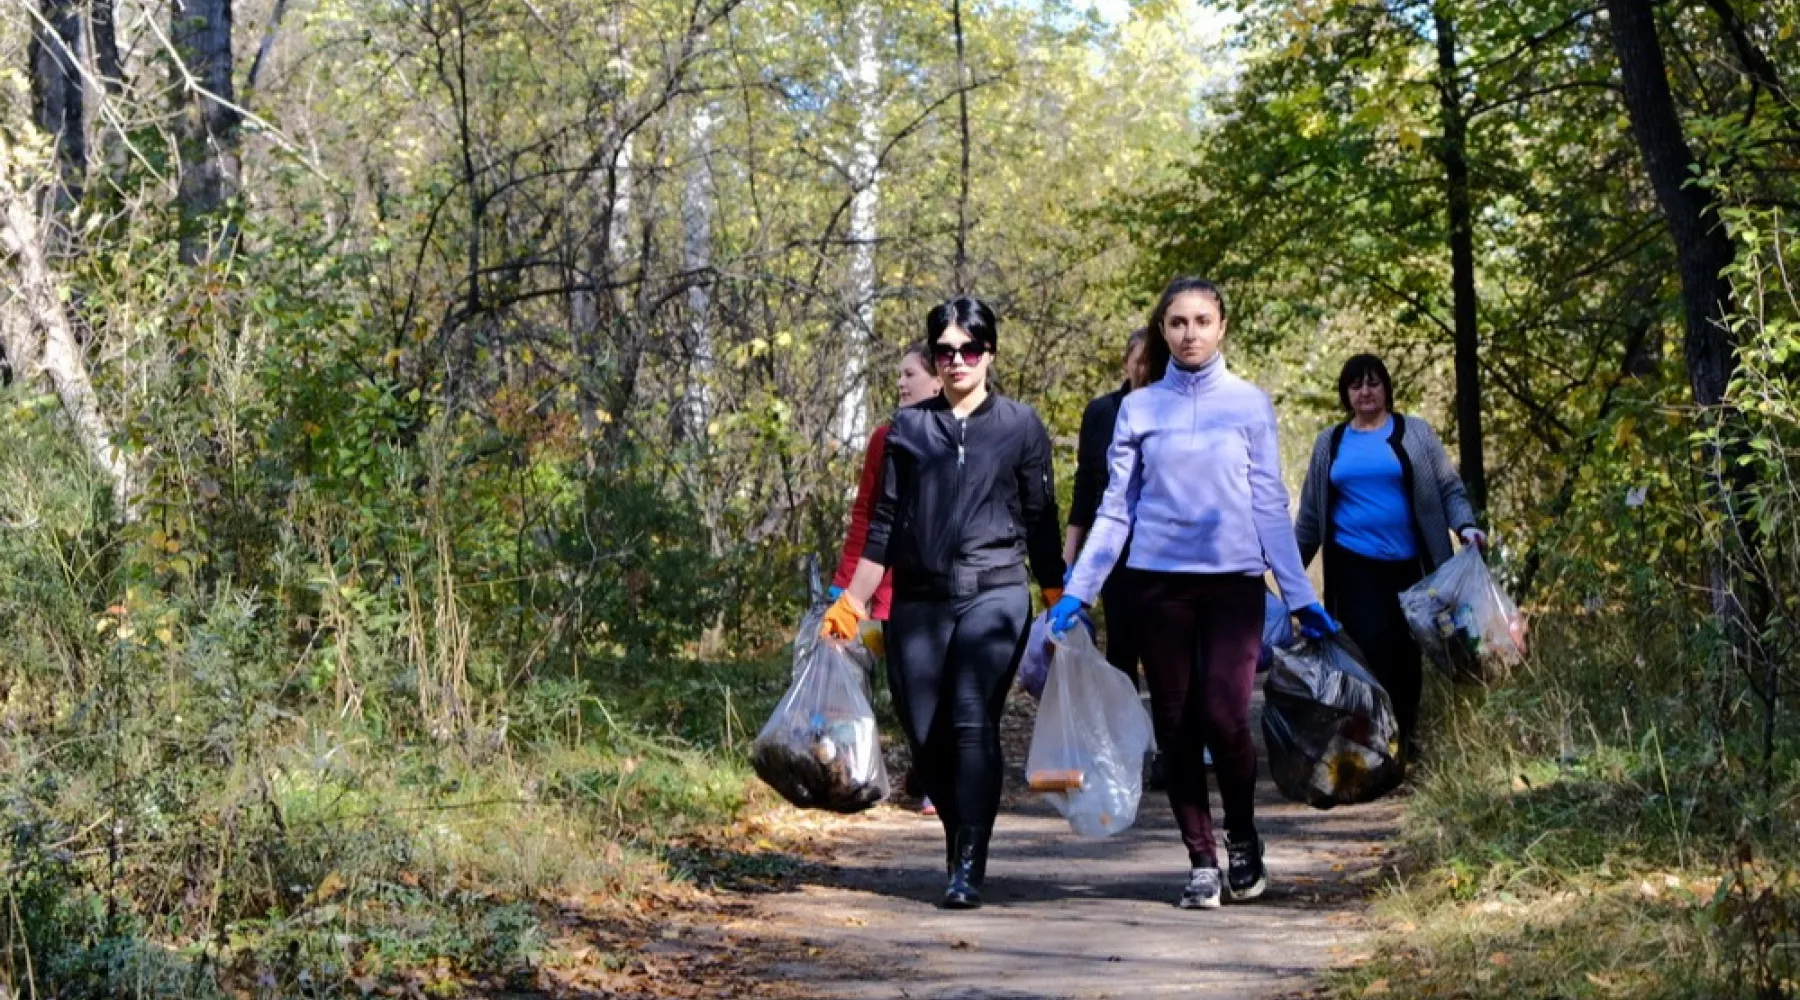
1464	622
1034	665
820	748
1088	745
1277	630
808	639
1329	726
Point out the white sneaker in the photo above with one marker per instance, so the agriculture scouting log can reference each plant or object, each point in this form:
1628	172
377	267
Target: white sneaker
1202	890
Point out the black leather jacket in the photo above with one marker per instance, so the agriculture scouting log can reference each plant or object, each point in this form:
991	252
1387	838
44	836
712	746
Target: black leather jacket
965	503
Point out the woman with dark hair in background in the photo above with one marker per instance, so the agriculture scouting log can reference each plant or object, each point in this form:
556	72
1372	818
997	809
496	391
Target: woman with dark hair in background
1196	486
1381	498
917	382
966	500
1117	599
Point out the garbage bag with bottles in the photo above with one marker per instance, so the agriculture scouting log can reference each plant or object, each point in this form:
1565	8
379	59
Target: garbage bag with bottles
821	748
1464	622
1328	725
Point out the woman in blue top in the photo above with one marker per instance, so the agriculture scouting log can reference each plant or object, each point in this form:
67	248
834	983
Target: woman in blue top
1381	498
1195	483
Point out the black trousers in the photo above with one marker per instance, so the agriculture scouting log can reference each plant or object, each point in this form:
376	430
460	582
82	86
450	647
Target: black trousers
950	663
1120	600
1364	595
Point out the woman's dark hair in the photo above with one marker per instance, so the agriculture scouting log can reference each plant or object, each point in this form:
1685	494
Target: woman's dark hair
972	314
1358	368
1138	336
1156	346
918	349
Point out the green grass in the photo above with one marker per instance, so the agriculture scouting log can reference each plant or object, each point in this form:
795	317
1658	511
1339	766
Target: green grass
1585	831
322	856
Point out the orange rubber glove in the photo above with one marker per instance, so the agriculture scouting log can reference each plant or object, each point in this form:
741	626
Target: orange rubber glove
843	617
1051	596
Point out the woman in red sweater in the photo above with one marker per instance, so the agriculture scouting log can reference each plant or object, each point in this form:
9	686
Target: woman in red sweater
917	383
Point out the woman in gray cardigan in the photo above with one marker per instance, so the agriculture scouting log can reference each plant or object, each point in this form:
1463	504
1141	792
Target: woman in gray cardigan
1381	498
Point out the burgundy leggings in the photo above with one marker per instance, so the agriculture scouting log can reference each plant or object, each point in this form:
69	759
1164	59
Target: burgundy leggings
1200	637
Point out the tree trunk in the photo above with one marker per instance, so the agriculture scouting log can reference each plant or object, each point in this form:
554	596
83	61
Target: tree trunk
1702	247
696	257
607	246
1465	306
1738	588
56	94
962	283
207	124
853	411
103	19
60	357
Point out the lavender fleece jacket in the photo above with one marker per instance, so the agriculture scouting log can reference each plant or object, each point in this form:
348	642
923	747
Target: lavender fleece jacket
1195	483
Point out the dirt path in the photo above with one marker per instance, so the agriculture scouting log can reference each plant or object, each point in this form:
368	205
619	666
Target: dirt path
1073	918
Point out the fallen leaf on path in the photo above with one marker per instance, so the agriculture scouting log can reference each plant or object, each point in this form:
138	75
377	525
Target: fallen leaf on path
1500	958
1377	988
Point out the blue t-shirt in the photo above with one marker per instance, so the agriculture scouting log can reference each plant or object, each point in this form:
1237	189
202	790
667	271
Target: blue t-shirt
1373	517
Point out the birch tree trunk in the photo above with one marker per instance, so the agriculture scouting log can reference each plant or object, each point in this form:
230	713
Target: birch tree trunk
57	354
696	257
853	411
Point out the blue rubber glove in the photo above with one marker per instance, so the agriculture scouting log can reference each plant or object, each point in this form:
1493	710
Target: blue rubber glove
1316	622
834	593
1064	614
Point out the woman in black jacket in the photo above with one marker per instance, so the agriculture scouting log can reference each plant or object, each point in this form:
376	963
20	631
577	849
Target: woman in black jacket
1118	599
966	500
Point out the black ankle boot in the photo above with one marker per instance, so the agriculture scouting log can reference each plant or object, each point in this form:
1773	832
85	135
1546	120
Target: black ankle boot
968	868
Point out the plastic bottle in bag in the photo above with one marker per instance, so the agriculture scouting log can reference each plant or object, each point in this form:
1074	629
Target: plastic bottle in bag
1089	741
1464	622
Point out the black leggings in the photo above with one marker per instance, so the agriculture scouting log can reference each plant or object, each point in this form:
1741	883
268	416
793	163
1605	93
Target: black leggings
1364	594
1120	600
950	663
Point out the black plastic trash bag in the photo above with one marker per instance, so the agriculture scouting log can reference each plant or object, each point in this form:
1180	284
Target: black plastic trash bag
820	748
1277	630
1329	726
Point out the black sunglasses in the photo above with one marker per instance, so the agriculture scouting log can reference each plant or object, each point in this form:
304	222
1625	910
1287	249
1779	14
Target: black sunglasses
970	353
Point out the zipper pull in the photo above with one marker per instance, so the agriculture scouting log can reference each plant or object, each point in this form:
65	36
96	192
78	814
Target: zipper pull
962	436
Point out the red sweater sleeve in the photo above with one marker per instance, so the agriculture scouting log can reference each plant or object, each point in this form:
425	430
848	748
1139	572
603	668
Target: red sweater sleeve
866	489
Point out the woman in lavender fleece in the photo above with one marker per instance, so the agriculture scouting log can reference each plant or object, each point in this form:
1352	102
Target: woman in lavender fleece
1196	484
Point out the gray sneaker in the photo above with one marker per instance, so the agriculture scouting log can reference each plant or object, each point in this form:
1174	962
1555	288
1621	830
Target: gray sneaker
1202	890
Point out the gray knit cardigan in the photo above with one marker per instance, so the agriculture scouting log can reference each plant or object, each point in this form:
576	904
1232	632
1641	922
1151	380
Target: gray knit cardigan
1439	504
